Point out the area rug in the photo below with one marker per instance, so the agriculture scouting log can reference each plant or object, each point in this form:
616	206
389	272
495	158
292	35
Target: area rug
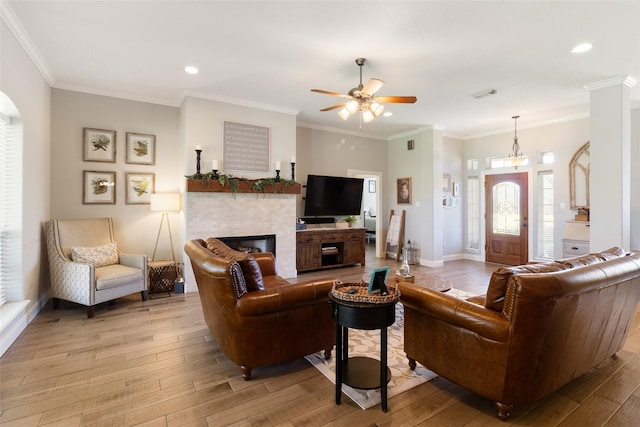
367	343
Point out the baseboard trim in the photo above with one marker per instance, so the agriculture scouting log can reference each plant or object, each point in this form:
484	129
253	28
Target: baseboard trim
16	316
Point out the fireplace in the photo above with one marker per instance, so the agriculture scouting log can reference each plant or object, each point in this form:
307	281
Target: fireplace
211	214
251	244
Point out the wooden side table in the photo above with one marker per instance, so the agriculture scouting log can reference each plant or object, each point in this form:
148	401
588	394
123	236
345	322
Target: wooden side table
162	274
362	372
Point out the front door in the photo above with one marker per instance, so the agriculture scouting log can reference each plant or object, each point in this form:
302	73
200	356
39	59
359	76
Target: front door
507	218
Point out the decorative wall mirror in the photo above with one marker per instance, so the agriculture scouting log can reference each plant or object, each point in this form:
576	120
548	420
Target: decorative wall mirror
579	178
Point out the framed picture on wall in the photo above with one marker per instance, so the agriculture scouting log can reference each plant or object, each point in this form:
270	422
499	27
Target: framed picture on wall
404	190
98	188
99	145
141	149
139	187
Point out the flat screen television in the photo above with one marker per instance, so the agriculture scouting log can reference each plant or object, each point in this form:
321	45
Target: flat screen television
333	196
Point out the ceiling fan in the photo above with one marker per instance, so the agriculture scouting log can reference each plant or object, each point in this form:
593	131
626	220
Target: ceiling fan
362	98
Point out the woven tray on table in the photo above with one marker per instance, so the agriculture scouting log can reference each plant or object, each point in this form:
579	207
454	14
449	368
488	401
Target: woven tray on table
344	292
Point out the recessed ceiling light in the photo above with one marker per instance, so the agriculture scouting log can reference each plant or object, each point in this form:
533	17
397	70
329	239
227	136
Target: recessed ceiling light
581	48
191	70
387	114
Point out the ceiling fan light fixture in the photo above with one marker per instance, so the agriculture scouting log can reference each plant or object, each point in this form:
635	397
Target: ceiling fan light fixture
344	113
352	106
376	108
367	116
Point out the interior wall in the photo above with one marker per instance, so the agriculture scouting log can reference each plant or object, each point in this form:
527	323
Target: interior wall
202	124
135	225
635	179
321	152
453	219
31	94
564	139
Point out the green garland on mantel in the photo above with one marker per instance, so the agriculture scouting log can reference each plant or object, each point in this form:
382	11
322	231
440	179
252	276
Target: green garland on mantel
228	180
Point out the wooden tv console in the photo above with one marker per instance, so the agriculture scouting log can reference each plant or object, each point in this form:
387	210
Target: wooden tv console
320	248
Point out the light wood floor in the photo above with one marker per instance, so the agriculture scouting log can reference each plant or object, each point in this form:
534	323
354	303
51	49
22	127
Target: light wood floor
154	363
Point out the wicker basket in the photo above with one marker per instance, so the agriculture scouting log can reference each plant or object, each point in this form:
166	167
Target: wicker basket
346	292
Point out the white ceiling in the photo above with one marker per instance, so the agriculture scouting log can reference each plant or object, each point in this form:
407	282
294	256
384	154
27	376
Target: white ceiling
270	54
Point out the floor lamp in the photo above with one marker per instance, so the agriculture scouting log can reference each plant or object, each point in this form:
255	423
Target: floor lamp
165	203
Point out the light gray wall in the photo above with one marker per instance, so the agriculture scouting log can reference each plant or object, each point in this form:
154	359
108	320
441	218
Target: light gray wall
321	152
564	139
453	220
635	179
30	92
135	225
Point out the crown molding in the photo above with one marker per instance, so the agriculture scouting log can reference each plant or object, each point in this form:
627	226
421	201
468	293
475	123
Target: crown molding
119	95
531	125
628	81
15	26
242	102
341	131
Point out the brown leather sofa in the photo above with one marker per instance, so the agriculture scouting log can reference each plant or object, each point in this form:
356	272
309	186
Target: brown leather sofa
539	326
256	316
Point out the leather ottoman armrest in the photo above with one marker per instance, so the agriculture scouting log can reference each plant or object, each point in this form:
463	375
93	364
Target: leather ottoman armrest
457	312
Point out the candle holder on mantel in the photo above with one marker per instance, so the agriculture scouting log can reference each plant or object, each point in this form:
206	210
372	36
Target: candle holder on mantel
214	174
293	171
198	174
277	175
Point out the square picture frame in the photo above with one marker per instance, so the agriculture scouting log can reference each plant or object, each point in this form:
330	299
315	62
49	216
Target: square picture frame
140	149
403	190
139	187
98	145
98	187
378	281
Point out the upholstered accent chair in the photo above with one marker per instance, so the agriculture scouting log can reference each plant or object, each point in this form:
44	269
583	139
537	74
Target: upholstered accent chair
87	268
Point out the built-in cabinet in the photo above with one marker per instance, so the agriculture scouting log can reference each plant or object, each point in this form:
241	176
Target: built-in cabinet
576	239
322	248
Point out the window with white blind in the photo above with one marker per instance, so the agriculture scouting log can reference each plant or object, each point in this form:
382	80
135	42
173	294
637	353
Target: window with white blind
545	214
11	287
473	213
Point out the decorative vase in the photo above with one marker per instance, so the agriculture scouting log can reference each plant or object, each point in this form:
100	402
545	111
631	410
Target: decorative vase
404	268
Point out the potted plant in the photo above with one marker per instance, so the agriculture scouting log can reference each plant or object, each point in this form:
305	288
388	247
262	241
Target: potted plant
350	220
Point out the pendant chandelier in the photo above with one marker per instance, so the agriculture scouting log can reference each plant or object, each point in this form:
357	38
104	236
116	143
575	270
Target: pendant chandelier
516	157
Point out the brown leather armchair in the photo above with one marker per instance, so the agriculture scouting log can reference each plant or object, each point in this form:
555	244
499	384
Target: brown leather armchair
541	325
257	317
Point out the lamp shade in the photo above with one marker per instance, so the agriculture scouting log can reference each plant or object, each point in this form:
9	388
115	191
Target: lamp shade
165	202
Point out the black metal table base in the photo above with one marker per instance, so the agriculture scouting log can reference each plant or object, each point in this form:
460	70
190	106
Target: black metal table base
362	372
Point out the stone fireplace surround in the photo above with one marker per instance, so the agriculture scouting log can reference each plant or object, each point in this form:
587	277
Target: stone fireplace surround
212	214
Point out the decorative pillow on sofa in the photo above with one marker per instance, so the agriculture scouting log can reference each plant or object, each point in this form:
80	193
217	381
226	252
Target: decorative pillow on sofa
237	278
224	251
98	256
249	265
499	279
252	274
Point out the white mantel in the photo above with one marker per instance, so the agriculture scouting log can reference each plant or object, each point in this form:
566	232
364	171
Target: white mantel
212	214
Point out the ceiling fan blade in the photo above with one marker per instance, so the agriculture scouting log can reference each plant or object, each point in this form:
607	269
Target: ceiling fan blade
396	99
326	92
333	107
372	86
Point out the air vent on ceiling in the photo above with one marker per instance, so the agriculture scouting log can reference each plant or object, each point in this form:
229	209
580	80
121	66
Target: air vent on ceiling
485	93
